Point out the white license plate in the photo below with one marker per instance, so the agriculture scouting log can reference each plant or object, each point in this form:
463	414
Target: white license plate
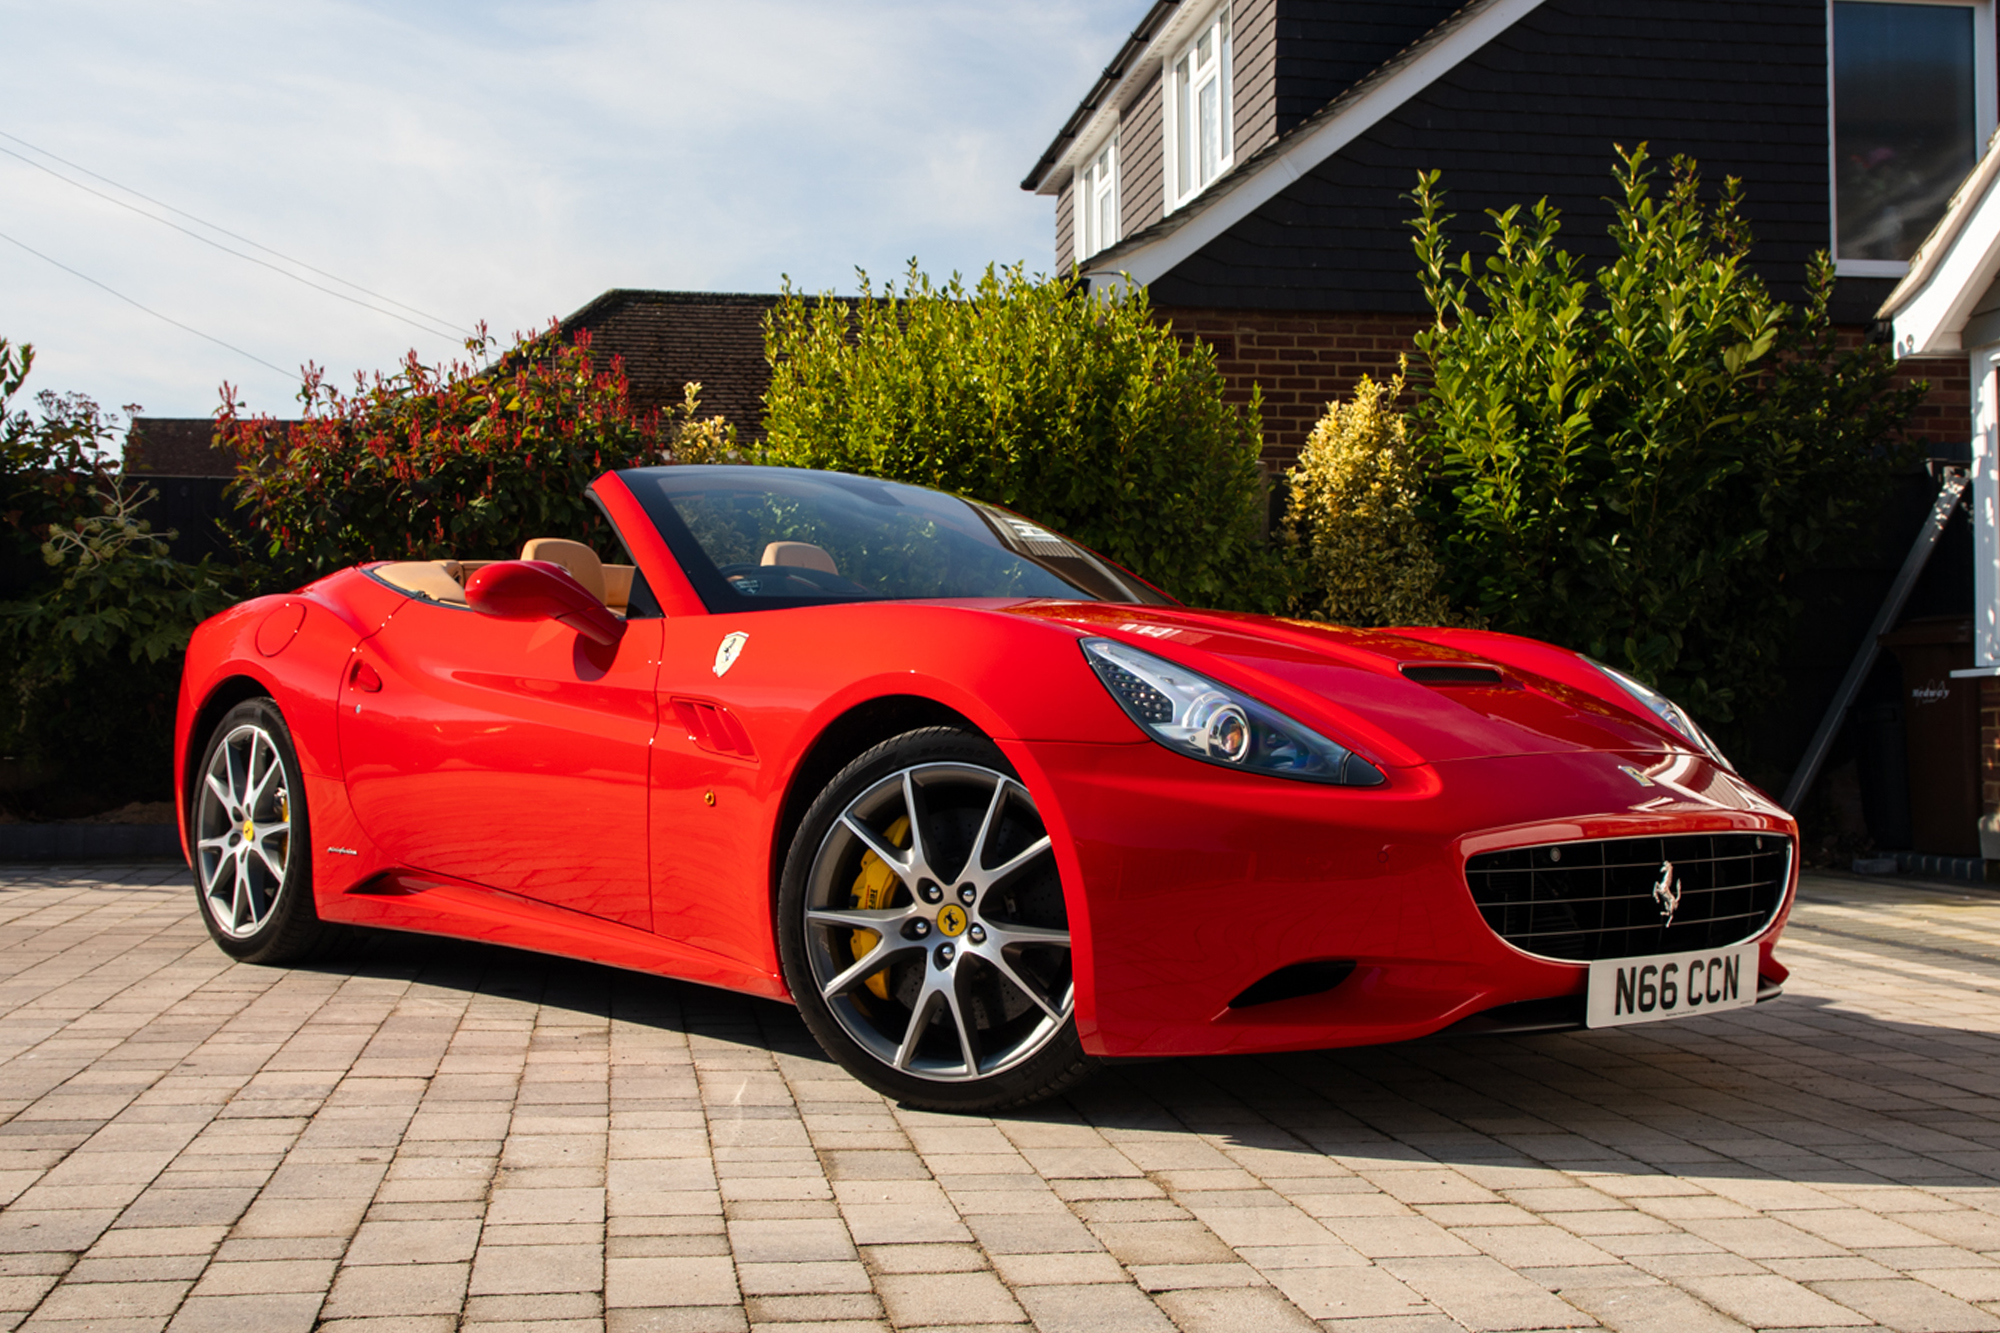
1671	985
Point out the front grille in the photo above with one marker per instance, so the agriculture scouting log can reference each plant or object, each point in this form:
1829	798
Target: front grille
1581	901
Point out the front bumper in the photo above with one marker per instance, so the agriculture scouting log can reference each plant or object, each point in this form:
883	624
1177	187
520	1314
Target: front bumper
1190	883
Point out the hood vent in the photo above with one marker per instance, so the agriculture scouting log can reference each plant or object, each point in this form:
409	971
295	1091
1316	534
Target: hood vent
1452	673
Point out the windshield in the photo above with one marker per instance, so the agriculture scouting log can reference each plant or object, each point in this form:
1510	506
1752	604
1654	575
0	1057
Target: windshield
751	537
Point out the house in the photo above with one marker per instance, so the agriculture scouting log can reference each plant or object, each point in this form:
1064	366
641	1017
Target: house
1948	304
1247	160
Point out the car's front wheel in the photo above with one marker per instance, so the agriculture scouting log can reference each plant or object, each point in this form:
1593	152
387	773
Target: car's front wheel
923	928
252	847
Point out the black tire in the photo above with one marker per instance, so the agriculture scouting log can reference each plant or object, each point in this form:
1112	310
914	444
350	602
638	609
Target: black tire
253	914
992	1034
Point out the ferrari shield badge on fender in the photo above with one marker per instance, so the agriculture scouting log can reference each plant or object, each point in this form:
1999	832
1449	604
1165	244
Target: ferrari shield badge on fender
728	651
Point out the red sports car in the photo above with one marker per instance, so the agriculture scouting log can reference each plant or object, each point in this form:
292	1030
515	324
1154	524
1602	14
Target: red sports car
981	804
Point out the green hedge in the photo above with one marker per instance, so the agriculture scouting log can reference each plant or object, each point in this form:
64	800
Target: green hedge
1081	412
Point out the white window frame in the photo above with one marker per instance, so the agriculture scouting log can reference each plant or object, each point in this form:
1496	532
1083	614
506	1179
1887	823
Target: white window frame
1985	108
1217	26
1094	185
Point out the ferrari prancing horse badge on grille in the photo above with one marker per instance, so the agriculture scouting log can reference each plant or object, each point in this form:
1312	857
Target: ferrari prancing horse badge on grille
1667	894
728	651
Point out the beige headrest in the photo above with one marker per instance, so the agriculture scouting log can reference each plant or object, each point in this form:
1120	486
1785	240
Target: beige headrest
618	586
581	562
425	578
799	555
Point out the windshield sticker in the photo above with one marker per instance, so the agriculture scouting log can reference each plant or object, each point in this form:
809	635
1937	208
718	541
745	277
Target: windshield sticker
728	651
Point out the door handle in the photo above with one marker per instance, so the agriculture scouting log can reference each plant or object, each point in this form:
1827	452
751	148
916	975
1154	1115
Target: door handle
363	678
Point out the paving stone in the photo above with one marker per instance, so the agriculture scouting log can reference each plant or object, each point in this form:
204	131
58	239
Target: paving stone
800	1240
655	1282
247	1313
1655	1309
1482	1293
1910	1307
1095	1308
1231	1310
104	1301
939	1298
397	1290
1770	1301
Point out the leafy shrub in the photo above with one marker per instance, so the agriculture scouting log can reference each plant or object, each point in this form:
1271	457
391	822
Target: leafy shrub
92	634
1083	414
1633	462
453	460
1354	520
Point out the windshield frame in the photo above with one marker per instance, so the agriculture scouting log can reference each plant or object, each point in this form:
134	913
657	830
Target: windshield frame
1006	528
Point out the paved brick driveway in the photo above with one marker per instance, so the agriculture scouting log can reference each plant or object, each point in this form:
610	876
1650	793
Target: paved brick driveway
432	1135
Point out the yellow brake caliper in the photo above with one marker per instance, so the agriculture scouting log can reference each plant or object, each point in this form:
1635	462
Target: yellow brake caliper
873	888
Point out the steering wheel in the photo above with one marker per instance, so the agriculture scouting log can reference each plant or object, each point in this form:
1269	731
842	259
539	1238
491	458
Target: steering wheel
803	582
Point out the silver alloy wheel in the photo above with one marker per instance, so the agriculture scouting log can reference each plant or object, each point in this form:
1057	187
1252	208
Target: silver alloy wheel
954	986
243	831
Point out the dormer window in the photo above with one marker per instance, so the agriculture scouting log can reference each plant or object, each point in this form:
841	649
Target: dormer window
1913	99
1096	201
1200	137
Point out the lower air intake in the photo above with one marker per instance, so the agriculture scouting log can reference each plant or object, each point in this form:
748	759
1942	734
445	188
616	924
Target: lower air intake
1289	983
1624	897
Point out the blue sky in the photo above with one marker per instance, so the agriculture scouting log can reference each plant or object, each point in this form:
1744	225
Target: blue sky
500	161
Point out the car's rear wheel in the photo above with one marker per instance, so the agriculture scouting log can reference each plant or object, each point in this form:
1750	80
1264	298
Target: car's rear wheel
924	932
252	844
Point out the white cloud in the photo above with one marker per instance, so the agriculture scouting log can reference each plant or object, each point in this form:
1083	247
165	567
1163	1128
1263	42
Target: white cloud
506	162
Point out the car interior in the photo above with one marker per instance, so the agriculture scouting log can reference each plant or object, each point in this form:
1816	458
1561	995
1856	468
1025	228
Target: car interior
443	581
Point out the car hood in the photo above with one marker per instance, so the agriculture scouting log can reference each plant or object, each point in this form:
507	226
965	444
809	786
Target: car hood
1367	688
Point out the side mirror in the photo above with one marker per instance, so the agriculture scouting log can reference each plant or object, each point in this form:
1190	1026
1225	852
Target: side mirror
540	590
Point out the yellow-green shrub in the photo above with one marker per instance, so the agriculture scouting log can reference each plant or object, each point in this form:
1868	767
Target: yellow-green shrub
1363	551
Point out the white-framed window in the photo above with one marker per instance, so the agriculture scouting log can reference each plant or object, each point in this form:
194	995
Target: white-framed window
1200	134
1912	85
1095	200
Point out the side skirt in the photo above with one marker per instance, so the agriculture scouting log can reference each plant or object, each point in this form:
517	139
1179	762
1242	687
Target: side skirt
431	904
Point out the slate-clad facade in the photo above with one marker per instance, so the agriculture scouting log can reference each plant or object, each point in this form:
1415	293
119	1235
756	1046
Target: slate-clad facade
1323	50
1739	87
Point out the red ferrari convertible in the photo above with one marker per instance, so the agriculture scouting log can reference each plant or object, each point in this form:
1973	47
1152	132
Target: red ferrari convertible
984	806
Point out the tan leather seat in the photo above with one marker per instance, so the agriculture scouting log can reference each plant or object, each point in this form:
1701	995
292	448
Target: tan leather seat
618	586
425	578
799	555
581	562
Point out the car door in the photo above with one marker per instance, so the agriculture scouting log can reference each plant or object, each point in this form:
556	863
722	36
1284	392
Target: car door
712	790
513	754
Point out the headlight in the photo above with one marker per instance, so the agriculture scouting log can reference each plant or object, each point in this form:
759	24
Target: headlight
1213	723
1665	709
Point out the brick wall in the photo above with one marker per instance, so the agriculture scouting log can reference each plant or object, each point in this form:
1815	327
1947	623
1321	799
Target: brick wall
668	339
1302	362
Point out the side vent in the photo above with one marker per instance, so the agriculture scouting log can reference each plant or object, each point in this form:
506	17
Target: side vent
1452	673
1295	980
713	728
393	884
